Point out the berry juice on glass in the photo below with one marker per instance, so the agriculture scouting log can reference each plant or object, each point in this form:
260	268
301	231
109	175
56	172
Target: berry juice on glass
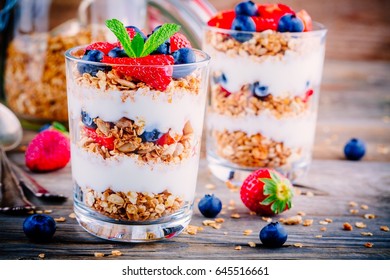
266	71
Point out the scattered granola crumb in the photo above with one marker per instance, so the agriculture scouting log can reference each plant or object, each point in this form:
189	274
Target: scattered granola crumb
267	219
323	222
231	207
352	204
223	212
225	233
235	216
347	226
384	228
47	211
219	220
72	215
310	194
369	216
318	236
248	232
238	248
368	245
210	186
31	212
308	222
252	213
60	219
99	255
116	253
41	256
366	233
231	186
38	211
299	245
281	220
150	235
323	229
301	213
328	220
212	224
360	225
294	220
353	211
232	202
252	244
191	230
364	206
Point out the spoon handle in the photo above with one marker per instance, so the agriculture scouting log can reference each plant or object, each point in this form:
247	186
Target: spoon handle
12	198
37	189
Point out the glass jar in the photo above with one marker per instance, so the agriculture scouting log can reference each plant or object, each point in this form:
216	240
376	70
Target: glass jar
42	30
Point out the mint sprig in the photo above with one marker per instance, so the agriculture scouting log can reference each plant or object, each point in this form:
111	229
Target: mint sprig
137	47
159	36
120	32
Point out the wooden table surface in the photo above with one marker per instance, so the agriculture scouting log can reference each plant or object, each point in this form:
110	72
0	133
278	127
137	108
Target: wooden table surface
355	102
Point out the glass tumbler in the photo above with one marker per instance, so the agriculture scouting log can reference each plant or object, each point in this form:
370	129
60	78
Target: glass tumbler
263	100
134	148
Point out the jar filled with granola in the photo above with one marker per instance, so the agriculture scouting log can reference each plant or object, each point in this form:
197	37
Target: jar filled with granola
34	76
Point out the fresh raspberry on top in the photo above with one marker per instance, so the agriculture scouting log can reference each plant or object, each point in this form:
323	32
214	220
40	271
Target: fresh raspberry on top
49	150
179	41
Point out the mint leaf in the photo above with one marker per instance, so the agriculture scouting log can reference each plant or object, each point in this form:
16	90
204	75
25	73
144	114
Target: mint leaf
160	36
137	45
120	32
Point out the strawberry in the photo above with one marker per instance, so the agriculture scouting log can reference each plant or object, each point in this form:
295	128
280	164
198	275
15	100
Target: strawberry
306	19
145	70
222	19
179	41
308	93
104	47
266	192
107	142
274	11
264	23
49	150
166	138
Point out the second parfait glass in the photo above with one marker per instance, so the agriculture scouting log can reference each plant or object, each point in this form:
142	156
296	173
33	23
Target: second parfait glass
263	100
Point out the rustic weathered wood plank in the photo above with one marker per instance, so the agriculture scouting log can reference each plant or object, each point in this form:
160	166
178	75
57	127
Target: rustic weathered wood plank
327	177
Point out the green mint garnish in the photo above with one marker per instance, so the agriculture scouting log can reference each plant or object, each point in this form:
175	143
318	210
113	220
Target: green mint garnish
159	36
137	44
137	47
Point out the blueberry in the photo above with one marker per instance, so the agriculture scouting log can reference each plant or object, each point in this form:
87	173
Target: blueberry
183	56
87	120
44	127
117	52
260	91
354	149
136	29
93	56
243	23
290	23
220	78
151	136
164	48
273	235
210	206
39	227
247	8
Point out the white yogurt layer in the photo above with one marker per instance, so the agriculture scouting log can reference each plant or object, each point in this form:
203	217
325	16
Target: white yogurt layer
294	132
289	73
152	107
123	173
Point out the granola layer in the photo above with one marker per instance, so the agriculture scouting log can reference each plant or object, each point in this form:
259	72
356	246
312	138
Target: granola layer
251	150
133	206
126	138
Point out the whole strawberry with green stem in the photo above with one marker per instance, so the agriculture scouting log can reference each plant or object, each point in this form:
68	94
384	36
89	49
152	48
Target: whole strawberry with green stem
267	192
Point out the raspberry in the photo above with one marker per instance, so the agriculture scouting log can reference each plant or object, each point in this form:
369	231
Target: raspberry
49	150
